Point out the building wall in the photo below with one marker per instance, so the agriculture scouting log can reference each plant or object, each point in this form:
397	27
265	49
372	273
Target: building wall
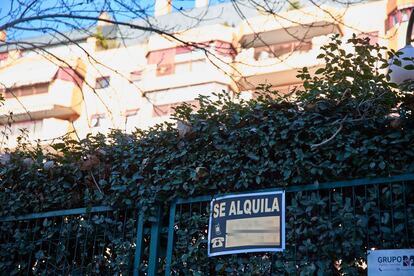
396	21
139	84
366	19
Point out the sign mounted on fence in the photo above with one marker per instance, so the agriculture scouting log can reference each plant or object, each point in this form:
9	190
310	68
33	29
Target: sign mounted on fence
242	223
398	262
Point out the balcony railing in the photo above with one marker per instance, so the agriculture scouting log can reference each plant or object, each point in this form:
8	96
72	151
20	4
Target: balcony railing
58	99
193	74
278	63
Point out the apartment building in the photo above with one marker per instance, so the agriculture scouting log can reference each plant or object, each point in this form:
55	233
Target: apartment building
122	78
398	13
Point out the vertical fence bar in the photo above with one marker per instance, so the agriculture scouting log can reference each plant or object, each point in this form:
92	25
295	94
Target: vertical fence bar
103	245
67	247
407	238
392	212
138	246
367	216
83	254
170	241
75	254
154	243
29	266
379	211
295	236
96	233
50	245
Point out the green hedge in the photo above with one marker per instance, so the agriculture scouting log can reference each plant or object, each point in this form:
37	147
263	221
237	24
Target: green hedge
348	122
230	145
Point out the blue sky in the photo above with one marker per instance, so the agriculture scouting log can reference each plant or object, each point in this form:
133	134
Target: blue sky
86	7
185	4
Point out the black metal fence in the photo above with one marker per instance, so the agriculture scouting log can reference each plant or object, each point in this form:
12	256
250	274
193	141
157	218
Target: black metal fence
329	226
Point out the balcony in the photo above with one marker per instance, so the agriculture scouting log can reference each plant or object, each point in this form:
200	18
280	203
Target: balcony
182	75
275	65
37	91
284	27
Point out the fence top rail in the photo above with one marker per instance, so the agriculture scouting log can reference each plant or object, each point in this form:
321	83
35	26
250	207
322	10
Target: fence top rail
315	186
69	212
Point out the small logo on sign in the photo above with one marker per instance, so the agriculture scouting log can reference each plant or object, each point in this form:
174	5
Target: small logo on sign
408	260
217	229
217	242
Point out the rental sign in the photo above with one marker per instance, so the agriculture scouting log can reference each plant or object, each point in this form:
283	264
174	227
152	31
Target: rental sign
242	223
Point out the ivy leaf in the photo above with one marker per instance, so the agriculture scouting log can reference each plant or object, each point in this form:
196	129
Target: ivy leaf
384	65
397	62
409	67
39	255
253	156
320	71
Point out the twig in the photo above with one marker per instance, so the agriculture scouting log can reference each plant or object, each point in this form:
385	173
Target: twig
96	183
313	146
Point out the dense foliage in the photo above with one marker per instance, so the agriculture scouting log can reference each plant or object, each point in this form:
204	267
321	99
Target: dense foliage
348	122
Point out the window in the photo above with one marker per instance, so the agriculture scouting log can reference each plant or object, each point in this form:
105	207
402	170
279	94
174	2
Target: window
190	66
131	120
182	67
405	15
396	17
102	82
98	120
136	76
100	123
165	69
277	50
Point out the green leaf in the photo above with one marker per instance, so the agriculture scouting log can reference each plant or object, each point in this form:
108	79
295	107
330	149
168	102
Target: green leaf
397	62
39	255
320	71
384	65
409	67
253	156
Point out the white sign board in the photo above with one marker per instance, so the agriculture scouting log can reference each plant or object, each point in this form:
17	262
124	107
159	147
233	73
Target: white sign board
398	262
252	222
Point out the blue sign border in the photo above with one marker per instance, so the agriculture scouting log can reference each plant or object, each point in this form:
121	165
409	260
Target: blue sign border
282	248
